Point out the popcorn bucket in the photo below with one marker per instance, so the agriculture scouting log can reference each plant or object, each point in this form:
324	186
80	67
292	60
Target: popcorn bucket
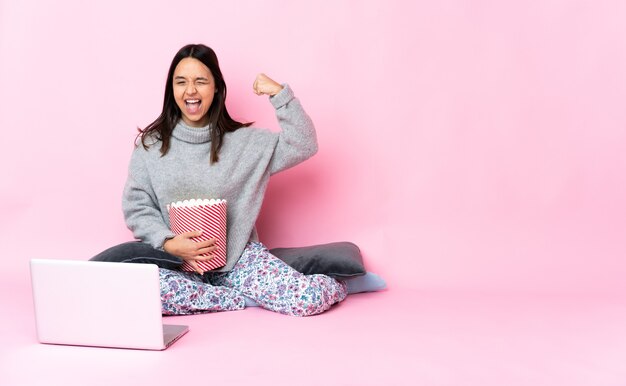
209	216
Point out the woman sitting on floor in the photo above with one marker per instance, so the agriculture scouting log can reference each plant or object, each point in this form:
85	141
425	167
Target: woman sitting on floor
194	149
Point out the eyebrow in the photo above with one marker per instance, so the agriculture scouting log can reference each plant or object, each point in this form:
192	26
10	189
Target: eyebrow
198	78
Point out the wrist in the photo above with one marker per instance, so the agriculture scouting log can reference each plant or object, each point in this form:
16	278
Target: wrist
278	89
167	243
284	96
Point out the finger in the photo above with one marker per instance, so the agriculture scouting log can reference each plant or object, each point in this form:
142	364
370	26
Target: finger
200	257
208	250
191	234
204	258
205	243
195	267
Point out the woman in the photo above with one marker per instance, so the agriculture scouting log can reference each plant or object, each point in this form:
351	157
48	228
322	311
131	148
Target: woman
194	149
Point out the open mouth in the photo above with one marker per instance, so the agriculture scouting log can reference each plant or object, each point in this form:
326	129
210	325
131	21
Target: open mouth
192	105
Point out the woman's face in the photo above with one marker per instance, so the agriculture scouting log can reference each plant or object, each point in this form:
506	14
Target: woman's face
194	88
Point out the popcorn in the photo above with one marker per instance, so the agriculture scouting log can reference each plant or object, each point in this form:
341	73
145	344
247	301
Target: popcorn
208	215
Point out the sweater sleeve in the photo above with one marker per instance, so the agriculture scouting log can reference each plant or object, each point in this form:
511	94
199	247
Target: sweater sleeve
140	206
297	140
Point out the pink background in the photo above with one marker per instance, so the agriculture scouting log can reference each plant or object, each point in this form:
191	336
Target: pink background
474	148
464	145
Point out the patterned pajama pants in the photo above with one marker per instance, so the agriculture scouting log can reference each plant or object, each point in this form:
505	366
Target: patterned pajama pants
260	276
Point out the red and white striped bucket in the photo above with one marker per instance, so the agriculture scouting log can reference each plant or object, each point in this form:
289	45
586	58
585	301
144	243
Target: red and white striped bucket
206	215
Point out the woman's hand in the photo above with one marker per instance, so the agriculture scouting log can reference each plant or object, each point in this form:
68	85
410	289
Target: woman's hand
264	85
184	247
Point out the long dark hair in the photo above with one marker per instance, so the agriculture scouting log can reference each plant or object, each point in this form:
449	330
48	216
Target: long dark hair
219	119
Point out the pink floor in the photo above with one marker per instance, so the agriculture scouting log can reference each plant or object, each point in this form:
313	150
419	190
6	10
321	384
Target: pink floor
395	337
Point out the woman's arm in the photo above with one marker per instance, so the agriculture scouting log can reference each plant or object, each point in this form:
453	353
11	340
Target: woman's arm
143	217
140	206
297	140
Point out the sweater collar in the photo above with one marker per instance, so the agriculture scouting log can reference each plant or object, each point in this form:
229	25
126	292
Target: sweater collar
190	134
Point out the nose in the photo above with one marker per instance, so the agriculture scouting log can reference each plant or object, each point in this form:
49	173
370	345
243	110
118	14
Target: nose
191	89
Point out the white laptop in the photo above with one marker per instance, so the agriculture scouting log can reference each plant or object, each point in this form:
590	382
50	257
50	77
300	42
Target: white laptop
91	303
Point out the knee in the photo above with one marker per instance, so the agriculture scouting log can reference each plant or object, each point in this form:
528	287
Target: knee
314	300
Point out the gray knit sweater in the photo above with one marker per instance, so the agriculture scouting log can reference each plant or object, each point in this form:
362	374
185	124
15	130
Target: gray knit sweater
247	159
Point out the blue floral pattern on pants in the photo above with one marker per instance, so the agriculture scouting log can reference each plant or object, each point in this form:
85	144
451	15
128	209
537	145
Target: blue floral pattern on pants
260	276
